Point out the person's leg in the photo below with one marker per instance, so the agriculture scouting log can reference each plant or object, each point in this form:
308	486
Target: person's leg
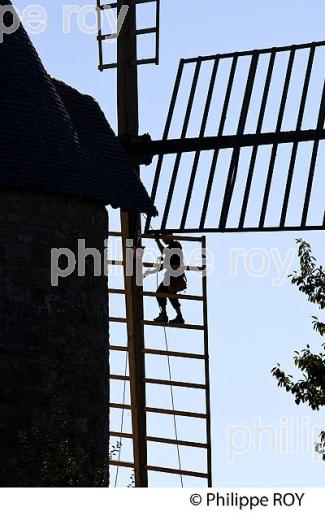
177	306
162	302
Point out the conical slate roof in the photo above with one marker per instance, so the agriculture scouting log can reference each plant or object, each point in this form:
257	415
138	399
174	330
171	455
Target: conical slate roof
53	138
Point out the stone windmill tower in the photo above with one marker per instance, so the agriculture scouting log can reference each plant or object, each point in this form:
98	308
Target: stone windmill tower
60	166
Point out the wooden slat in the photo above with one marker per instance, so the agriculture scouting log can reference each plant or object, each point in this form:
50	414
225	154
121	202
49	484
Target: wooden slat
313	161
115	262
165	136
172	353
275	146
190	444
117	377
173	325
254	229
207	374
197	156
178	472
120	406
284	48
118	349
114	319
147	30
195	268
181	413
161	440
180	238
178	296
121	434
259	127
116	291
182	384
121	463
222	123
178	158
114	234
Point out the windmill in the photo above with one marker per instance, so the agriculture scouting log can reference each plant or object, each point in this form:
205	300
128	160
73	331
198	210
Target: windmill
238	206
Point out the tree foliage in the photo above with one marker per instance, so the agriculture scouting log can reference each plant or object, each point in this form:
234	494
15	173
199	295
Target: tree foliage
310	389
51	460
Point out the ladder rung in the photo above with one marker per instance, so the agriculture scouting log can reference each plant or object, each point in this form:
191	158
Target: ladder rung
178	296
145	1
165	411
117	377
108	66
120	406
172	325
114	5
114	234
171	353
146	61
174	383
178	472
192	297
115	262
121	463
177	442
114	319
151	264
180	238
120	349
148	30
108	6
161	440
103	37
195	268
121	434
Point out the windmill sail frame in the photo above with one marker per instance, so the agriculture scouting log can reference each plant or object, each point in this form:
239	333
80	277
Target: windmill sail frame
237	142
101	7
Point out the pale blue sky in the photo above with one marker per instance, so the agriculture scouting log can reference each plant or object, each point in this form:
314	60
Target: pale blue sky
252	323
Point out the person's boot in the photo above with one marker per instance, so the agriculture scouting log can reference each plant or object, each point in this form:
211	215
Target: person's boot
162	318
178	320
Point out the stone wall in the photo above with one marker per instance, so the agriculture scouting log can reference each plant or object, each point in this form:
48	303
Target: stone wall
53	345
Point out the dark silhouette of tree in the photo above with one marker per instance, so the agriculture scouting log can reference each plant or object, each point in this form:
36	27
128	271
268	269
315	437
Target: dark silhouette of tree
51	460
310	388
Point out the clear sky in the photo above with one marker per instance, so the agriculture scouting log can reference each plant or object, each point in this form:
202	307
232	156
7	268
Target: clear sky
253	322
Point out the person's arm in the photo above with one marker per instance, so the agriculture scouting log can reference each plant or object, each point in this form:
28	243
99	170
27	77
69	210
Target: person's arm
159	267
160	246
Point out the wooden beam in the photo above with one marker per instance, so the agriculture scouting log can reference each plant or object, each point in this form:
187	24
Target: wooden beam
172	353
173	325
195	144
120	406
190	444
181	413
169	295
178	472
128	129
182	384
121	463
123	435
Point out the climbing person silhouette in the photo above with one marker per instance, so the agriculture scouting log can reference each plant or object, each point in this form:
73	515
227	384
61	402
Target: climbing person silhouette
174	281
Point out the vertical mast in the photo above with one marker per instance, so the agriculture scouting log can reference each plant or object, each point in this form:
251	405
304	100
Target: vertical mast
128	126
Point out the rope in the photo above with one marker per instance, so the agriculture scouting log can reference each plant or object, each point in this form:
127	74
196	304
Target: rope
171	394
122	419
172	399
173	407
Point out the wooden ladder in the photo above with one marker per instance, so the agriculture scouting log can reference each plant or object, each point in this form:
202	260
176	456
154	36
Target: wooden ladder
203	355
